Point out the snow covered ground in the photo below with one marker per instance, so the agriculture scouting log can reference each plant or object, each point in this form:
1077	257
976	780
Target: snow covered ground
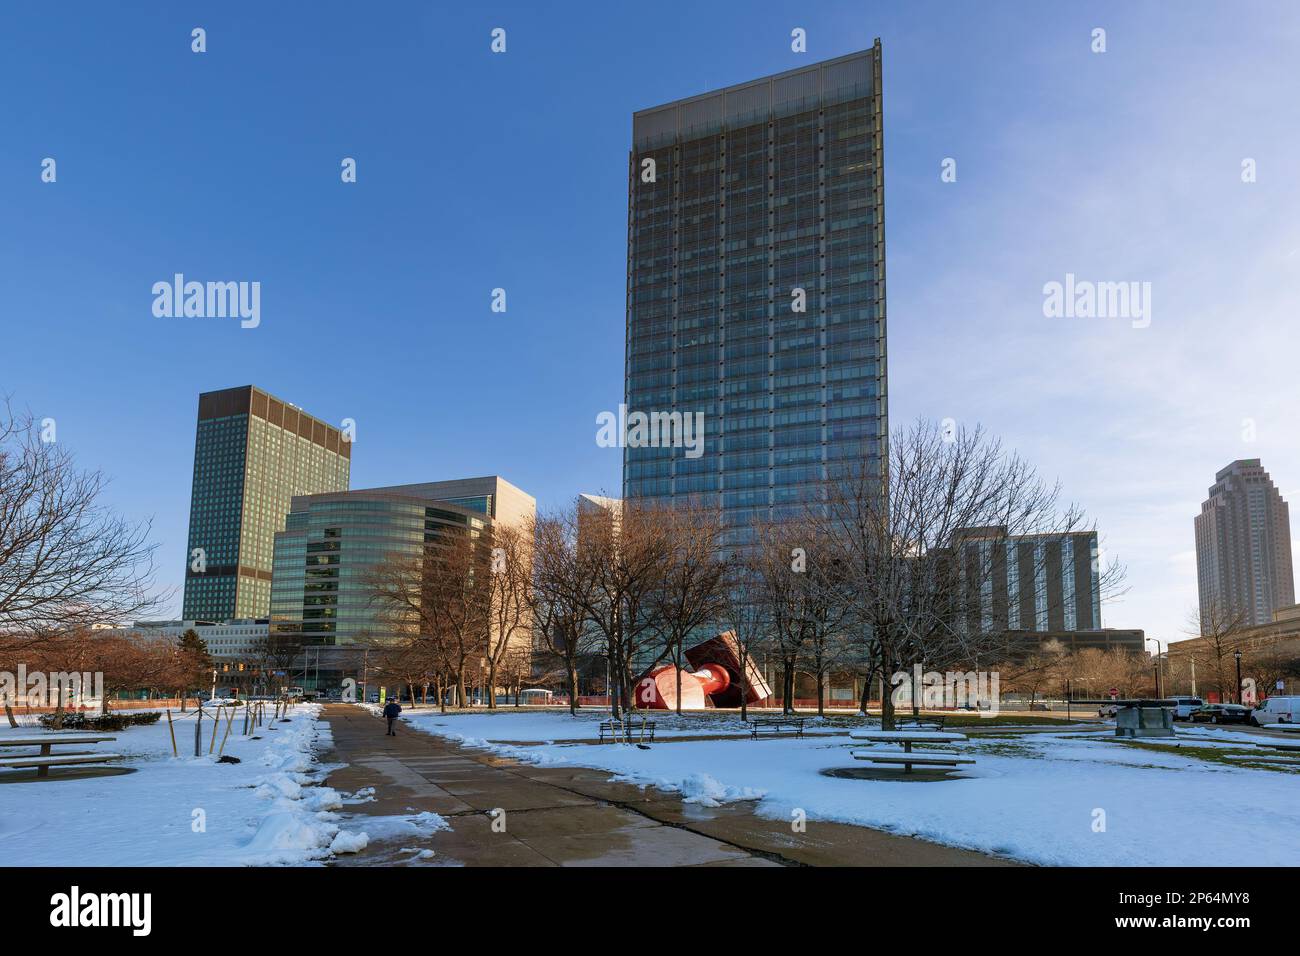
266	810
1062	798
551	726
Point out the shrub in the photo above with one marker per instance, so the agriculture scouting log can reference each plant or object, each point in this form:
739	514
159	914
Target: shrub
80	721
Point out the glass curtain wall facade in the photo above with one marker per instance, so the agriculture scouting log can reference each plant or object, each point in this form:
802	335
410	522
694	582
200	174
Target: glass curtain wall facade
756	286
252	454
329	548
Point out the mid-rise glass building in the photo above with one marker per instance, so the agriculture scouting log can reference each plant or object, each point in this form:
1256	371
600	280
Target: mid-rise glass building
252	454
322	594
756	286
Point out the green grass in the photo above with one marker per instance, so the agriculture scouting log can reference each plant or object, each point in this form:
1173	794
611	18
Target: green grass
1006	720
1213	754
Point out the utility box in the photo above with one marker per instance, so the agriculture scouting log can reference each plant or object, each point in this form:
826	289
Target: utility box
1144	722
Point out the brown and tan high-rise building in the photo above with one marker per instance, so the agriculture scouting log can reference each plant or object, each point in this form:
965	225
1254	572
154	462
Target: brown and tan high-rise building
252	454
1243	549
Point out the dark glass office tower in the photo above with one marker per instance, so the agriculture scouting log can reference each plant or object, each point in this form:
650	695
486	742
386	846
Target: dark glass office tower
759	198
252	454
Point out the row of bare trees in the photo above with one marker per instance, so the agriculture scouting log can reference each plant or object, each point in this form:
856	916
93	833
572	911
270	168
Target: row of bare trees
885	564
878	570
67	564
76	664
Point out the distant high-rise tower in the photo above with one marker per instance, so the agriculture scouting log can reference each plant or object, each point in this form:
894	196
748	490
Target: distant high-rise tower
252	454
756	286
1243	549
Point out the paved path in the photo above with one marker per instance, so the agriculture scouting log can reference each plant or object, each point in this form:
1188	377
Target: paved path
571	816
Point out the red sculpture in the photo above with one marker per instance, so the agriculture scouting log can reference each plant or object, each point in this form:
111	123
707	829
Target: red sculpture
714	682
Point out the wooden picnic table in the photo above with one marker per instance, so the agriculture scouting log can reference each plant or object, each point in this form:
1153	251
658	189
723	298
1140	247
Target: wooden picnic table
907	738
46	759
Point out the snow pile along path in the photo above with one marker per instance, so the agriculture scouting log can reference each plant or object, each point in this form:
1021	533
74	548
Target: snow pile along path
267	809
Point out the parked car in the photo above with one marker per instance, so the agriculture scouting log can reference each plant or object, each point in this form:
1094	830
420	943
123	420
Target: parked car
1220	714
1277	710
1108	710
1183	706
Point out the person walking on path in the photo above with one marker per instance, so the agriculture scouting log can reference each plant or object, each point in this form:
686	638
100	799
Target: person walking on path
391	712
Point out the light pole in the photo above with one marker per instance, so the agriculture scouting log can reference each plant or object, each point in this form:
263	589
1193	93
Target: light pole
1237	654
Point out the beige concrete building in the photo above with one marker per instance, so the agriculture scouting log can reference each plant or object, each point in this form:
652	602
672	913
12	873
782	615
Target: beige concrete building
1201	664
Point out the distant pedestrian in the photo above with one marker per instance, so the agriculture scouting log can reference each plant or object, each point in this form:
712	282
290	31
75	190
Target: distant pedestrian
391	712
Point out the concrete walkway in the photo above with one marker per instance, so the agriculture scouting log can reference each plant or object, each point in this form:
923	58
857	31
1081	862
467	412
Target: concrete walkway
571	816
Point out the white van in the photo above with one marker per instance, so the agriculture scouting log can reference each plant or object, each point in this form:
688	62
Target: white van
1183	706
1277	710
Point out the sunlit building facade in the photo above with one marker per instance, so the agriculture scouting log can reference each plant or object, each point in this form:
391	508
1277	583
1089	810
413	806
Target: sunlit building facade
252	453
326	558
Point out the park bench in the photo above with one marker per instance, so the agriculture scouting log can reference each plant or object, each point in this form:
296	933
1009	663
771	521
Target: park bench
776	725
924	722
46	759
626	731
907	759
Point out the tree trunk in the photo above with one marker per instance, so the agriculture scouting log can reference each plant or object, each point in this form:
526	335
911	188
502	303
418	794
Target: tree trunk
460	687
787	687
613	684
679	679
9	713
744	685
821	693
492	685
573	688
886	708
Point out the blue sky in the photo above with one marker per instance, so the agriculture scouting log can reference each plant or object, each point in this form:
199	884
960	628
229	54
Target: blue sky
478	171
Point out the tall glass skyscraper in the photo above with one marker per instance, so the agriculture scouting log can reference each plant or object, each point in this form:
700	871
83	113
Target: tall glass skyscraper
756	286
252	454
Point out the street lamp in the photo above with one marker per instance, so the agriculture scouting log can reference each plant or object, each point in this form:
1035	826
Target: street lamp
1237	654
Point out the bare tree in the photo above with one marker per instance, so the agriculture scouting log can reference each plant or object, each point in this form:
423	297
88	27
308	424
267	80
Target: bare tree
1271	664
442	595
692	592
509	598
917	538
625	555
1219	629
66	561
560	596
744	615
796	580
1044	667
